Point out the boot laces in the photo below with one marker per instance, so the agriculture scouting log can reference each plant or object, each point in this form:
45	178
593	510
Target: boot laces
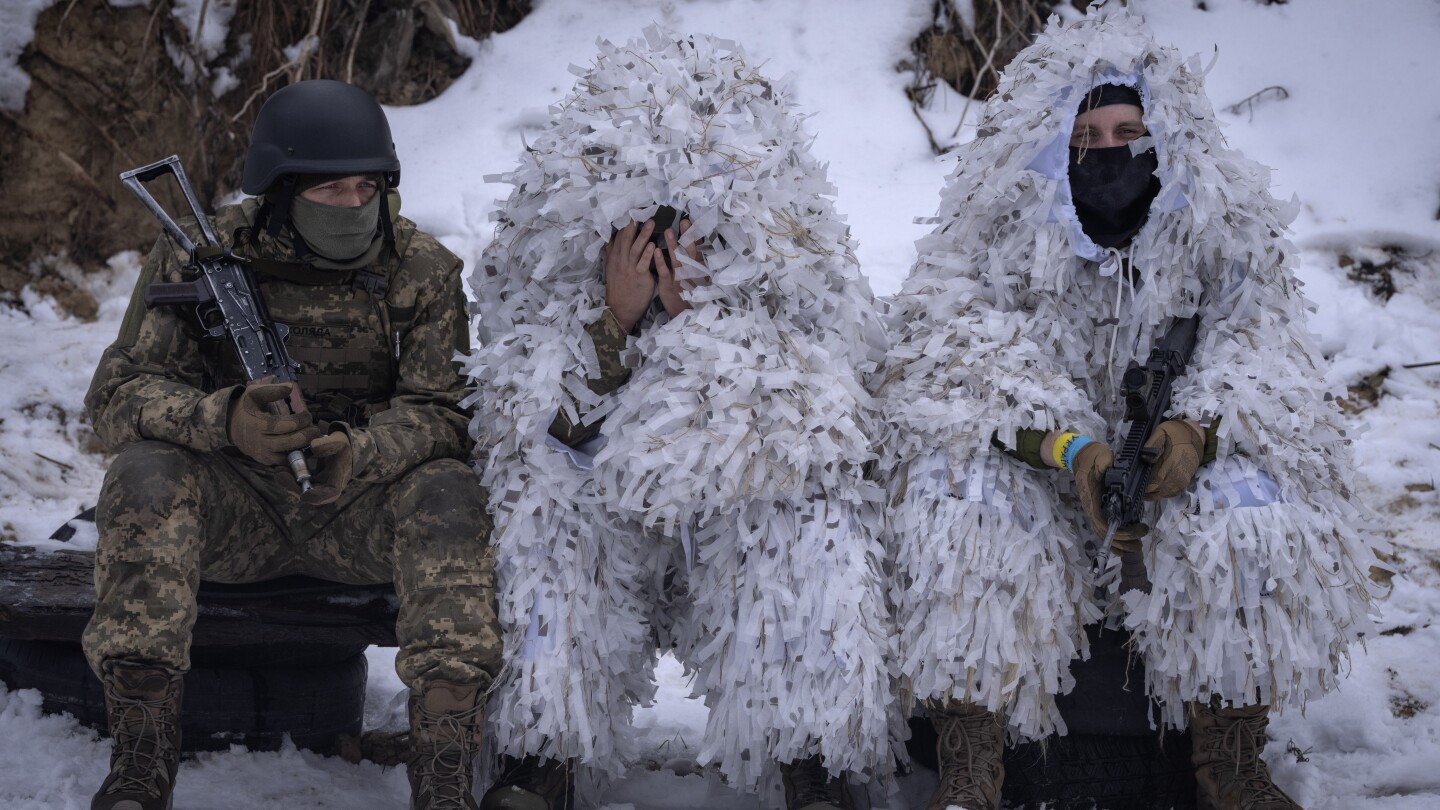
442	759
1243	740
969	746
144	744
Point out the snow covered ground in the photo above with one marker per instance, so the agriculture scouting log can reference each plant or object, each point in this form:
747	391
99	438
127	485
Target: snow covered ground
1351	135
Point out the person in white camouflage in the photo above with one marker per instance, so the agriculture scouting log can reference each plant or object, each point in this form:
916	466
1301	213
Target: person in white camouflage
200	488
675	337
1097	207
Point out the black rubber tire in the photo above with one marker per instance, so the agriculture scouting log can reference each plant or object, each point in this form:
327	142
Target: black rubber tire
255	708
1084	771
292	655
1081	771
1110	758
1109	695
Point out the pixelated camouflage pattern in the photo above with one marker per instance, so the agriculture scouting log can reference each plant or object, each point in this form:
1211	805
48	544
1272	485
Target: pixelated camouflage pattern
180	503
384	366
170	516
609	339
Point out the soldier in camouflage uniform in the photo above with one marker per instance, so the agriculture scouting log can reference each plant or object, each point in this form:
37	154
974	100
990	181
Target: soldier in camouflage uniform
200	487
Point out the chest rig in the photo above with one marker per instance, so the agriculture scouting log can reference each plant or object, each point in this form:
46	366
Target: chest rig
346	331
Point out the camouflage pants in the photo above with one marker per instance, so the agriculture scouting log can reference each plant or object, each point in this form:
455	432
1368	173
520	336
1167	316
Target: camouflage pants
168	516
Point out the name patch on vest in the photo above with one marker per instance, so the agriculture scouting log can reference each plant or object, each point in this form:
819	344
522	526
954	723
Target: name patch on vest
310	331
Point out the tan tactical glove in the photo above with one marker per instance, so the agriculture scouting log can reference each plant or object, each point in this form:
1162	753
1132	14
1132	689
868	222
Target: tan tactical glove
1181	445
1089	466
331	465
258	431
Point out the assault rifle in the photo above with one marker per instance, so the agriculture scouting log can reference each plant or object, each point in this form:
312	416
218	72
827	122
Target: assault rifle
1146	391
226	300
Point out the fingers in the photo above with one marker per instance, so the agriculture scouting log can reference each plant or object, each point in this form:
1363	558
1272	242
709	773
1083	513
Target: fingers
282	442
271	424
620	243
1089	466
1127	540
1130	534
641	248
628	250
263	394
297	400
272	448
261	402
647	255
265	397
668	287
328	445
1178	448
333	466
672	242
693	249
262	405
663	271
629	287
637	270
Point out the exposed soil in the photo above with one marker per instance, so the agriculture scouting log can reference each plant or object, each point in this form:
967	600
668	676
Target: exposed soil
109	92
970	59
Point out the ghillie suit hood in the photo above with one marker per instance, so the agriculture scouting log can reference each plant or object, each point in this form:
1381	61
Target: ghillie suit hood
1013	318
742	417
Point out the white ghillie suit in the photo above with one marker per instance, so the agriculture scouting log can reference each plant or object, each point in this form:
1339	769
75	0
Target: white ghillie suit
733	453
1013	319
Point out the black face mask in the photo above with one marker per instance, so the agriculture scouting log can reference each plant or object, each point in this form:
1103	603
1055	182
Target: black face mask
1112	191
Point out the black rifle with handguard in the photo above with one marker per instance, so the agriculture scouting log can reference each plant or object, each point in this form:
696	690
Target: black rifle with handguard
1146	391
226	299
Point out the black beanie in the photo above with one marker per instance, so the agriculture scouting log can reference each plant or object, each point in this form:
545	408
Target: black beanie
1104	94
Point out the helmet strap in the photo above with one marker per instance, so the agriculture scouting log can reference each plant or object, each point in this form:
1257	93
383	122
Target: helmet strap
278	206
276	215
302	250
387	226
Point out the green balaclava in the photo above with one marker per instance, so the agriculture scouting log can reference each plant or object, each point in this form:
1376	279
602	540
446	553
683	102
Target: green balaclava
341	238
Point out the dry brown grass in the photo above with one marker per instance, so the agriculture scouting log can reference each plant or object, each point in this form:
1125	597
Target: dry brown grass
107	95
970	59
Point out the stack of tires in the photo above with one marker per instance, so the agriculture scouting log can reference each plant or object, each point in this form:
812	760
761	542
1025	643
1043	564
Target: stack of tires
271	660
252	697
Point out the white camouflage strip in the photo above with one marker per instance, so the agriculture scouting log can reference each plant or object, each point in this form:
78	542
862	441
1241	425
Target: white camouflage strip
745	410
1012	319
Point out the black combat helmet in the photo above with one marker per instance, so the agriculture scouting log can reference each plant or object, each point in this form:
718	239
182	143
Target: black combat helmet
319	126
316	127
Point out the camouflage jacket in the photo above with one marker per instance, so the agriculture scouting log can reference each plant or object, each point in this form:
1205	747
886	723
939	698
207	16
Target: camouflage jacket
378	360
609	339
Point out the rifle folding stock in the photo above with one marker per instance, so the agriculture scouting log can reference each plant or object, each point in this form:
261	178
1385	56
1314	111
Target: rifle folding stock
169	294
226	299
